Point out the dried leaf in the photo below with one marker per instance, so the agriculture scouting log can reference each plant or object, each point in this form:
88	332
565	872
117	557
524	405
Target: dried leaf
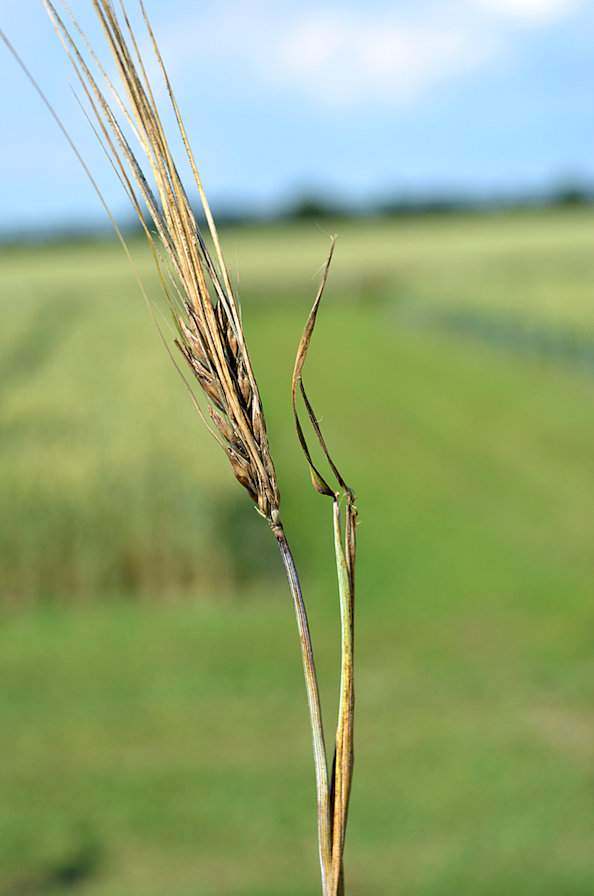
318	480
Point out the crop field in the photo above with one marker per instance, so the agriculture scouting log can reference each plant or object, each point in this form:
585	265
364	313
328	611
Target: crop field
152	700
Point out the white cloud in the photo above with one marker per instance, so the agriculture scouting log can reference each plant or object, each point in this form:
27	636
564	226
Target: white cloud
342	58
529	11
348	55
333	56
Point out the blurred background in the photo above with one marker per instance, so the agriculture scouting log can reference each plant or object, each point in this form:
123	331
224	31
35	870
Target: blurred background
153	721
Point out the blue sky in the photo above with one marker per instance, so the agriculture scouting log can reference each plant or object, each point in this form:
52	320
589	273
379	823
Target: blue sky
363	100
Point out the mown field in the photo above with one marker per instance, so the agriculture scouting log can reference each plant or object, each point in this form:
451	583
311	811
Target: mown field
152	719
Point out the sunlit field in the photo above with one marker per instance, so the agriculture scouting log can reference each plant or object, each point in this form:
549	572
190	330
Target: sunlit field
152	700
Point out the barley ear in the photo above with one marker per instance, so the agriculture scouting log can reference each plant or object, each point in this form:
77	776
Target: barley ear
204	309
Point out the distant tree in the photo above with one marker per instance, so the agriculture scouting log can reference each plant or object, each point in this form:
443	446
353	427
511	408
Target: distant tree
572	195
309	208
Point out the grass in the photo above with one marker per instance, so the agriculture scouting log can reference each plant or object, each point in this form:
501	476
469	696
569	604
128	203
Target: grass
133	741
132	727
82	436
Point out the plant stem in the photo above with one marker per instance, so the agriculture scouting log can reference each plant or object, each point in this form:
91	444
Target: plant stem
315	711
344	754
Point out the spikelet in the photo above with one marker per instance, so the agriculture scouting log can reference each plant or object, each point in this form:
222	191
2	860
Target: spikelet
205	311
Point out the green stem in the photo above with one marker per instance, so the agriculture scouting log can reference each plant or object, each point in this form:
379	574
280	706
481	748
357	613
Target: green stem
315	710
344	755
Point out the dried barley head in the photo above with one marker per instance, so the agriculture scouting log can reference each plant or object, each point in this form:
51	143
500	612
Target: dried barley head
205	311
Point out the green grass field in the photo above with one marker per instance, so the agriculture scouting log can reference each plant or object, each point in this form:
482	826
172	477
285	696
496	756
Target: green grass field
153	720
